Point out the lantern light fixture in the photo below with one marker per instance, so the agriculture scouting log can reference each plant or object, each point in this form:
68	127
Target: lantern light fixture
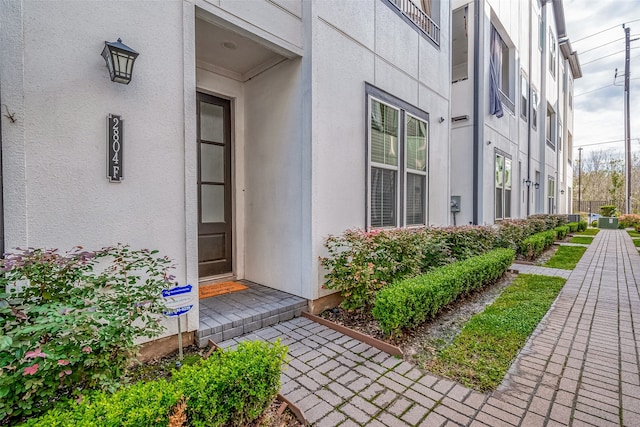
536	185
527	182
119	58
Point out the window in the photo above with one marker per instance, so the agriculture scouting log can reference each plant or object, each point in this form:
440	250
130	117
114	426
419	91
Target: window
534	108
503	187
524	97
551	196
501	75
552	54
570	93
540	34
397	164
550	128
459	45
559	135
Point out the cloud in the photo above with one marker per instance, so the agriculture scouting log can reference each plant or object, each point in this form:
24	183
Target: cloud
595	30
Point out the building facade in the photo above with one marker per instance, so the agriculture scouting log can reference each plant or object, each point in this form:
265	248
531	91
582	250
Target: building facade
512	112
252	129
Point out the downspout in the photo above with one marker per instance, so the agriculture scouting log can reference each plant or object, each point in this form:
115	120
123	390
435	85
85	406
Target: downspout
530	112
477	128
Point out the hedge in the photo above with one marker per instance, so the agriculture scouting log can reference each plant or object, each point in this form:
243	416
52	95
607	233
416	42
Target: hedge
573	227
232	387
409	302
562	230
360	263
534	245
582	225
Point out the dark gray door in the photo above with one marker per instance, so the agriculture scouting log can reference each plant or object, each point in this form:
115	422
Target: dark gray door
214	185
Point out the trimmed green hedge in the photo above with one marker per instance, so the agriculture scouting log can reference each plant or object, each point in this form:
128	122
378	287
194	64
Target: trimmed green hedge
534	245
563	230
409	302
582	225
573	226
232	387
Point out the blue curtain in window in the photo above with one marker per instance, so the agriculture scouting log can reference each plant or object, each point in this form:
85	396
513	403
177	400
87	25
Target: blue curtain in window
495	69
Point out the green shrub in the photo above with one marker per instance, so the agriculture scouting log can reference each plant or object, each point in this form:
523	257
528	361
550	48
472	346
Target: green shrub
142	404
573	227
551	221
467	241
582	225
609	210
360	263
534	245
409	302
69	322
511	233
629	220
562	231
594	223
232	387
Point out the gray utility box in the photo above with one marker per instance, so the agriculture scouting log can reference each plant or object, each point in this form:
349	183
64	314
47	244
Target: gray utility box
573	217
608	222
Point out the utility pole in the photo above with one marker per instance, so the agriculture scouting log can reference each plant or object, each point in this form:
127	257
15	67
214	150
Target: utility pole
580	179
627	127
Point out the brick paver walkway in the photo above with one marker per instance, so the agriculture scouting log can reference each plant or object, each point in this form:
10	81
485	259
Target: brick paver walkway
579	368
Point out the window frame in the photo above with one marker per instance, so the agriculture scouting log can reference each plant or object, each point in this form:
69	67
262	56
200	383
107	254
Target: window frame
503	202
553	58
534	108
551	194
405	110
524	97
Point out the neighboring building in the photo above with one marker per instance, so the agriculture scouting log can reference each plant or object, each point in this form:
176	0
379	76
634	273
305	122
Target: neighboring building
254	129
511	108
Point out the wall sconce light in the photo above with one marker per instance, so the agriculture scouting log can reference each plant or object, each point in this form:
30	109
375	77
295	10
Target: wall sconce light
561	191
527	182
441	119
119	58
536	185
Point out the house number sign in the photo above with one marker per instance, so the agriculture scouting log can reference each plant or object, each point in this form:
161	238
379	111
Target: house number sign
115	169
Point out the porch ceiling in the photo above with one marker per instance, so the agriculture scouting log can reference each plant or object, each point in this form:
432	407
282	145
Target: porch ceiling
226	52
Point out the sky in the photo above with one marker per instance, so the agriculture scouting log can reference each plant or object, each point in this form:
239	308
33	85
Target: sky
598	103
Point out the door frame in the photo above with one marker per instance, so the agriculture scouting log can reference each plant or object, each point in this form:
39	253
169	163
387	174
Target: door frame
230	199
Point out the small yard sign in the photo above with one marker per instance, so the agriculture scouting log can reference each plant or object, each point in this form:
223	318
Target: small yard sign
179	300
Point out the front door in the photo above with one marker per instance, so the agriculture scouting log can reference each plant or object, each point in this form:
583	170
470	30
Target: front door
214	185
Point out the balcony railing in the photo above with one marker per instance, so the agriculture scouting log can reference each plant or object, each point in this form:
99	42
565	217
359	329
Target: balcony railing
507	103
419	18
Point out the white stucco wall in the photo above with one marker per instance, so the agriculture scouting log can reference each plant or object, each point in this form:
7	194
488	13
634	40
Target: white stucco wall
354	43
54	161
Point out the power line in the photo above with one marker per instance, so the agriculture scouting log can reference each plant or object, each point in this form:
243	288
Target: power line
602	45
606	56
604	142
594	90
602	31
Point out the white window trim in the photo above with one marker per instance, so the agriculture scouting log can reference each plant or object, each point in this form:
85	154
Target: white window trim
401	168
415	172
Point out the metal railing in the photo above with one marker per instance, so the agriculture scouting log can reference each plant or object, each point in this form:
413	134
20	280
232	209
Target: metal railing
419	18
508	103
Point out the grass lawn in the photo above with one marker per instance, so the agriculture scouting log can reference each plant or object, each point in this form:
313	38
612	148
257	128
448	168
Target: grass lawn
633	233
589	232
566	257
636	242
581	239
481	354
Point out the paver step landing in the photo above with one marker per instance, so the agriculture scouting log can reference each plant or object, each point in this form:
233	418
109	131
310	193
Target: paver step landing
237	313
